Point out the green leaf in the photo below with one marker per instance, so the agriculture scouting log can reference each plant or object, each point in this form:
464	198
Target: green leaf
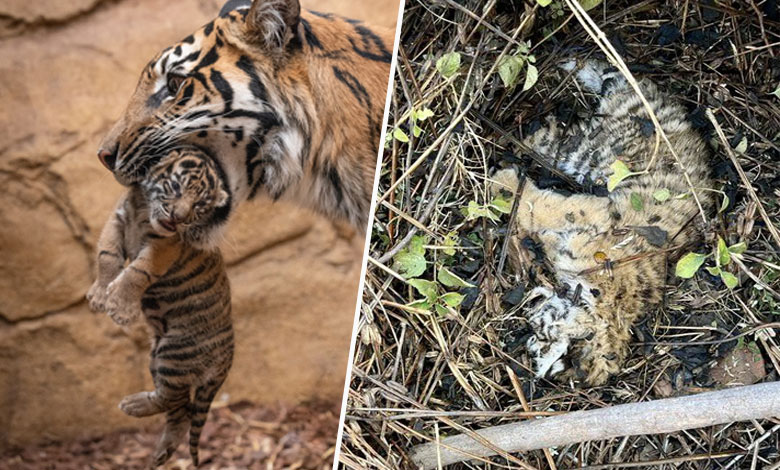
420	304
428	289
714	270
589	4
688	265
449	279
448	64
742	145
729	279
416	130
441	310
725	204
450	241
400	135
475	211
636	202
422	114
531	76
738	248
661	195
724	258
619	172
453	299
777	91
501	204
544	3
410	262
509	70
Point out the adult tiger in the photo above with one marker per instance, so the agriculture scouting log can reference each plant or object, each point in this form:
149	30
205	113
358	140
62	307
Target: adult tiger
289	102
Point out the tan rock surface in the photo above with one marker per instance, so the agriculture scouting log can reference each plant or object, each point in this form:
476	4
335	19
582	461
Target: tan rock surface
64	369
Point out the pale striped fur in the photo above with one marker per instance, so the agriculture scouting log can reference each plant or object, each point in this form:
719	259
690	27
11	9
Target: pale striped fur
594	326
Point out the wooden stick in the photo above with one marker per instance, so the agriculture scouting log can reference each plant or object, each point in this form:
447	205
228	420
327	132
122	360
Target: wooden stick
660	416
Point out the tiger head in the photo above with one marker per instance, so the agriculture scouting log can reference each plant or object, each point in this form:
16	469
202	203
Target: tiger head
185	192
211	86
282	98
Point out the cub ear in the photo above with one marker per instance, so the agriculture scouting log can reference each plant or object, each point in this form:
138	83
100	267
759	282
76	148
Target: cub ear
222	198
272	23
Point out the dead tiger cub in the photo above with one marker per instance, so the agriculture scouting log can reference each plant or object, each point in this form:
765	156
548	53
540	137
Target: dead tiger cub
181	290
590	313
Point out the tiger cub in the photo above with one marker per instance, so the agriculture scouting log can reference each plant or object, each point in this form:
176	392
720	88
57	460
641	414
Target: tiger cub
180	289
590	313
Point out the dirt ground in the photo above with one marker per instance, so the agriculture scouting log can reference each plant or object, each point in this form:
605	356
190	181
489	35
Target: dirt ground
241	436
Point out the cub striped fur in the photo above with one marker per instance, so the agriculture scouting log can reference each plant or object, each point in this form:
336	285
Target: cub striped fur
590	313
181	290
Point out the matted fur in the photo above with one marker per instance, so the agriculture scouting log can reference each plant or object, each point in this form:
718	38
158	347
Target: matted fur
289	102
180	290
594	326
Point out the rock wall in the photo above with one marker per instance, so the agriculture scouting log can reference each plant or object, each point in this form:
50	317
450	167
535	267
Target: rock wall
67	70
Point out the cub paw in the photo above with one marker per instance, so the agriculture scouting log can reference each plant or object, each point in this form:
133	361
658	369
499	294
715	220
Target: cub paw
553	320
504	180
97	296
139	405
121	307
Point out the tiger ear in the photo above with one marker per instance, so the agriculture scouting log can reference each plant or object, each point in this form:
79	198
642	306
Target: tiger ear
272	23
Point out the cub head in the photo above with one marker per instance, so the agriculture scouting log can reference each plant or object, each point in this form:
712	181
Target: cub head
216	89
186	195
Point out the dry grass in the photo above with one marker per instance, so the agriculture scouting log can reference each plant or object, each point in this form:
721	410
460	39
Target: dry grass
418	376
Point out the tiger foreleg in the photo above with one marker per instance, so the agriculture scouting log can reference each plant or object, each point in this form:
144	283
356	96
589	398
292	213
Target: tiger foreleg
543	209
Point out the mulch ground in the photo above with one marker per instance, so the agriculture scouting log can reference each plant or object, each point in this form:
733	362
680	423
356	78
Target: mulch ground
418	375
236	437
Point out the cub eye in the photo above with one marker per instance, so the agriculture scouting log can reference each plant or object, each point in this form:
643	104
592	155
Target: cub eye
174	82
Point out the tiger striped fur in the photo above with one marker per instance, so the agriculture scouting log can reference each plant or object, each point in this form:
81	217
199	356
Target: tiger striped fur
590	313
289	102
182	291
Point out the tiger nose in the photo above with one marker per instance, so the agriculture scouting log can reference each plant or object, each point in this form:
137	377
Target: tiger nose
107	158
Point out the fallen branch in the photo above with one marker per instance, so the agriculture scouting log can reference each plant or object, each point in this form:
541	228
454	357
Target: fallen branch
660	416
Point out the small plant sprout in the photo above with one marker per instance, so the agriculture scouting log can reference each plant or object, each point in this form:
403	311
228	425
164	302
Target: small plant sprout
448	64
689	264
414	117
434	295
510	67
492	211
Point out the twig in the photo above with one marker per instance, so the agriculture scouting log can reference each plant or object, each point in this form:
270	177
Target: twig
660	416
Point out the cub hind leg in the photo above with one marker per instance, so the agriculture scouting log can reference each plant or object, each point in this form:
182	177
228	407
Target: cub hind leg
177	422
171	386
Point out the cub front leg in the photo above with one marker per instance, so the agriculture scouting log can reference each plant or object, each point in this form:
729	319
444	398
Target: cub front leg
110	257
125	292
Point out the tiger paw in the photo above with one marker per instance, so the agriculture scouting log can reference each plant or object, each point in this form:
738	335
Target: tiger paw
122	307
97	296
